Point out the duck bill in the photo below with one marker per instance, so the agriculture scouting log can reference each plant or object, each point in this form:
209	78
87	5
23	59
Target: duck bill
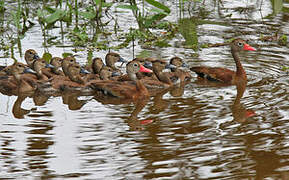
113	74
84	71
49	66
248	47
148	65
36	56
29	70
170	66
143	69
184	65
123	61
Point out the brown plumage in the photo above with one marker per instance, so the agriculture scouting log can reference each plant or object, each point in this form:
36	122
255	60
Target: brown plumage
133	90
30	56
224	75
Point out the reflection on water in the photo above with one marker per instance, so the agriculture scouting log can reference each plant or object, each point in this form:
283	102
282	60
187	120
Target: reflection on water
191	131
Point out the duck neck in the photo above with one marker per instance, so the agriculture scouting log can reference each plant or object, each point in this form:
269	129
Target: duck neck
240	72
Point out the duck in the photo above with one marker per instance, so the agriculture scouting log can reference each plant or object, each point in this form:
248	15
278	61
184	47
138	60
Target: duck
29	56
159	67
133	90
223	75
66	62
17	83
56	69
96	65
38	66
112	58
178	71
107	73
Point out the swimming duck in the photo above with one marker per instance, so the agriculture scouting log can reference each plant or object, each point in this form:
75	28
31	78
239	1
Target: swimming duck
56	69
224	75
30	56
111	58
17	83
133	90
178	71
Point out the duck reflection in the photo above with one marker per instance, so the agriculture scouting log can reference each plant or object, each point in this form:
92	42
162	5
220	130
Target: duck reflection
133	121
239	112
17	110
71	99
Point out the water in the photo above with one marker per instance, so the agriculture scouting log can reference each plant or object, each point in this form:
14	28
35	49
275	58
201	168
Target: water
202	132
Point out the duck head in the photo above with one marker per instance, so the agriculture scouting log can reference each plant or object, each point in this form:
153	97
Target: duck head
134	67
160	65
30	56
97	65
66	62
112	58
238	45
56	63
107	72
74	71
178	62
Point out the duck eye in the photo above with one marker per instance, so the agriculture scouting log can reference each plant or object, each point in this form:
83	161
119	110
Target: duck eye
135	65
240	44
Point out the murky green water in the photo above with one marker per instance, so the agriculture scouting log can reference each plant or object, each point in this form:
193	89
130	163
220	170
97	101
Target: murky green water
196	134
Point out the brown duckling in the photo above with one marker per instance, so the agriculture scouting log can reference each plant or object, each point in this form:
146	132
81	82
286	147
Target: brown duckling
111	58
106	73
125	90
74	71
38	66
30	56
66	62
56	70
17	83
96	65
178	70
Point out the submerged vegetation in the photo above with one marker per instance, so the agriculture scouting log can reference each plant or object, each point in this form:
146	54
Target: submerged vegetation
93	24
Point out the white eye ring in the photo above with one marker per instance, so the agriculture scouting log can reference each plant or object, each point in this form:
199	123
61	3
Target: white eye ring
240	44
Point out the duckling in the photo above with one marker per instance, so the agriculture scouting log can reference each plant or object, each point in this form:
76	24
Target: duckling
74	71
134	90
30	56
158	67
96	65
111	58
107	73
38	66
178	72
56	63
66	62
16	83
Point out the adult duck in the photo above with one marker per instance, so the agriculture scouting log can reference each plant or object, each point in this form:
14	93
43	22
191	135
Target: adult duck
30	56
125	90
224	75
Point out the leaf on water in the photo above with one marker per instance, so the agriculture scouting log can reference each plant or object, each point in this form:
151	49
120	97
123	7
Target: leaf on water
47	57
159	5
130	7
